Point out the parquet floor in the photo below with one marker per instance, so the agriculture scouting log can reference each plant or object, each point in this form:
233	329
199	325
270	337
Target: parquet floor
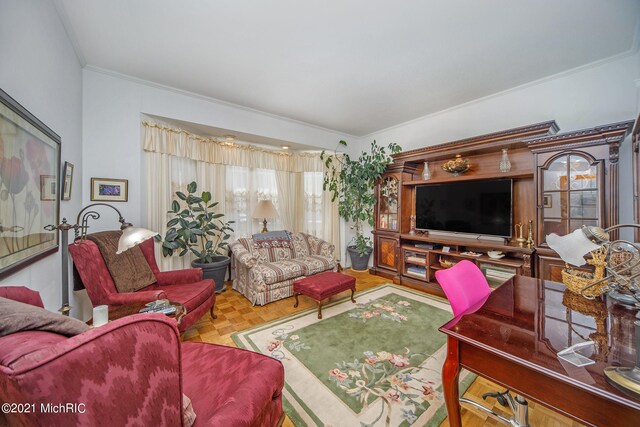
235	313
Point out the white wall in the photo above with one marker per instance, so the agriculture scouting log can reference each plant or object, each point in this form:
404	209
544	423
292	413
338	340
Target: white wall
593	95
582	98
112	110
40	70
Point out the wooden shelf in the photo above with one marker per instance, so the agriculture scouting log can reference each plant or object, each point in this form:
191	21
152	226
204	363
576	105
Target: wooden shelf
508	262
453	241
471	177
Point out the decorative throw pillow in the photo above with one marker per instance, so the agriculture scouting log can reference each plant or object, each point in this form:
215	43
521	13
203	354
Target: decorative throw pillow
188	414
274	245
272	236
130	270
18	317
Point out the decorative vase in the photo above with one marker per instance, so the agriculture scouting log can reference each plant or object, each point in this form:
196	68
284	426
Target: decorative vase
426	173
505	164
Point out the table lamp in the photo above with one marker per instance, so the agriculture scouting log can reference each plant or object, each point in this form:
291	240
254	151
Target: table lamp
264	210
131	236
622	282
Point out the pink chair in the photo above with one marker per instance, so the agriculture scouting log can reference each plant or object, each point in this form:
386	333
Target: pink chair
467	290
465	287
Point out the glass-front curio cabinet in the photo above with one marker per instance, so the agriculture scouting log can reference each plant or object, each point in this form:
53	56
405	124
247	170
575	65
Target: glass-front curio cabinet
388	204
571	193
577	185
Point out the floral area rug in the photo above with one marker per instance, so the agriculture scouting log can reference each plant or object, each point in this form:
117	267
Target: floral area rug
374	363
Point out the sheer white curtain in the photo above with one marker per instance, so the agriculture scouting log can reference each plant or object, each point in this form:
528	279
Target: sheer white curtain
244	189
313	214
167	174
238	176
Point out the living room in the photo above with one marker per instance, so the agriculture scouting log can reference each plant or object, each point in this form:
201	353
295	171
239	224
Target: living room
103	75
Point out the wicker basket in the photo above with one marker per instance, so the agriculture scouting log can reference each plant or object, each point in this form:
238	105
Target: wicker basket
576	281
446	263
621	259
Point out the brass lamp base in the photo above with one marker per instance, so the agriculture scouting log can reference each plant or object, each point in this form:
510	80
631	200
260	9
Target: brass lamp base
264	226
626	380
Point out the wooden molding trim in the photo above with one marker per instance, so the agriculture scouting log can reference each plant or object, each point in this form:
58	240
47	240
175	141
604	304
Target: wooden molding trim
608	134
538	129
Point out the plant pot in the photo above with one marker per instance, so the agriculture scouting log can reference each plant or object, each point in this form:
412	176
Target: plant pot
359	262
216	270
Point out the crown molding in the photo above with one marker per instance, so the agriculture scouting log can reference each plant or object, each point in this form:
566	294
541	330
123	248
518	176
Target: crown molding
212	100
629	53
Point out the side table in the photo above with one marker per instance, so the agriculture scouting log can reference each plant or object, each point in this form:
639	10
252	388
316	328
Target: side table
124	310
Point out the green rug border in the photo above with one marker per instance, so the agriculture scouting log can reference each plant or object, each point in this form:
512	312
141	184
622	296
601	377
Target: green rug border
293	415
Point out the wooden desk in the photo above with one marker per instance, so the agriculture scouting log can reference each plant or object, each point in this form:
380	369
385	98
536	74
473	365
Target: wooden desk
513	339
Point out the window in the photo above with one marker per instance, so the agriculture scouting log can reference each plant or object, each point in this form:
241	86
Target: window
244	189
313	206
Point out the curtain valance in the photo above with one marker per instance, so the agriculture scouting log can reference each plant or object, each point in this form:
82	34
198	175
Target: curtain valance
180	143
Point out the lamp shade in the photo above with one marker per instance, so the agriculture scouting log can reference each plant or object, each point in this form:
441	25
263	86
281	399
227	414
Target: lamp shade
573	247
133	236
265	209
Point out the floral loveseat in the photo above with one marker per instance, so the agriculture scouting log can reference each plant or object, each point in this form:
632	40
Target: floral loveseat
265	270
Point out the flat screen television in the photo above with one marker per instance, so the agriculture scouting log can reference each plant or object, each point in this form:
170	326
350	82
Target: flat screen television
475	207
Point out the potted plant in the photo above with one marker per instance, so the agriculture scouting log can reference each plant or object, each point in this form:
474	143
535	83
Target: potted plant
352	183
196	228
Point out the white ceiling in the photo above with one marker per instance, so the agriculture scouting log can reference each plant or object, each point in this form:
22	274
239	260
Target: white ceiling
355	66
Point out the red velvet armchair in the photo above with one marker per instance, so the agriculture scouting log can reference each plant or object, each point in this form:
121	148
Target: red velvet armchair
133	371
184	286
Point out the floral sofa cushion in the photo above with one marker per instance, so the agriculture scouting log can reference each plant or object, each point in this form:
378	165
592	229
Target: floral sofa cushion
261	269
273	272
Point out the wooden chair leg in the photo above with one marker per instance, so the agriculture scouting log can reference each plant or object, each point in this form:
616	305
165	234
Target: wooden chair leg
296	304
319	309
352	292
213	316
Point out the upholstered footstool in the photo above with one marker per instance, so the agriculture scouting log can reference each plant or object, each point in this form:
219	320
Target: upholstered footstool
322	286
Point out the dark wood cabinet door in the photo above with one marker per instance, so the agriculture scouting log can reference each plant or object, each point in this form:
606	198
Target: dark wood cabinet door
550	268
387	252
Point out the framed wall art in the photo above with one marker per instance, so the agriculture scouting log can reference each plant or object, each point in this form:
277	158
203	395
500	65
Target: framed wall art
29	178
109	190
48	185
67	181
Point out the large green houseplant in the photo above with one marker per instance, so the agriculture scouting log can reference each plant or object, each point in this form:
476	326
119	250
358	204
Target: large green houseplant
352	182
196	228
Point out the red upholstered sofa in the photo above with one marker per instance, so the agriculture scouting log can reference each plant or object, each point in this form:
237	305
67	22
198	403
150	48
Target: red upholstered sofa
184	286
133	371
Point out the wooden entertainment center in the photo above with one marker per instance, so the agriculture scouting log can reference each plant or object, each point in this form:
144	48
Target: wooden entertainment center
560	182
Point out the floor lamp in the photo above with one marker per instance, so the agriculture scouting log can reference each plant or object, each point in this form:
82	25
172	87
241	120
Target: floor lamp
131	236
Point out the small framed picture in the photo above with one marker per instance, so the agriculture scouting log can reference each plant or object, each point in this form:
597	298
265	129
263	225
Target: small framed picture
446	249
547	200
109	190
48	186
67	180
